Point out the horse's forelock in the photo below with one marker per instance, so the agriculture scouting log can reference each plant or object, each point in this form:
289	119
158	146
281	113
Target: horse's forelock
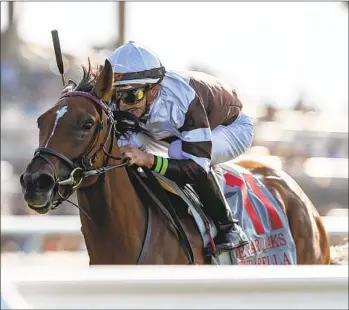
89	77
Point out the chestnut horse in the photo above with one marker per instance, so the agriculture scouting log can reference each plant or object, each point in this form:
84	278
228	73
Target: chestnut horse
78	151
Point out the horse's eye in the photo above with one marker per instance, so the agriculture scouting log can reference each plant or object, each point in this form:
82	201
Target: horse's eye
87	125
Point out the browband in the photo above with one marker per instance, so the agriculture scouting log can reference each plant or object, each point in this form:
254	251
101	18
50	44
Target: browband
87	95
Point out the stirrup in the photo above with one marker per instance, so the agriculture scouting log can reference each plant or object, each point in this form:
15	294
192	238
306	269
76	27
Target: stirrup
233	238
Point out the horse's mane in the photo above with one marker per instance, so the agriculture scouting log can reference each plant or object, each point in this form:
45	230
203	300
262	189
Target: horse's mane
126	123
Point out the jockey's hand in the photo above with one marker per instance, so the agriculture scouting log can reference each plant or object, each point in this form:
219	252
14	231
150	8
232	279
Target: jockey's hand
136	156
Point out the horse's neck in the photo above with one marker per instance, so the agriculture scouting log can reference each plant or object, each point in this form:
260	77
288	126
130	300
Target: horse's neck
116	229
116	232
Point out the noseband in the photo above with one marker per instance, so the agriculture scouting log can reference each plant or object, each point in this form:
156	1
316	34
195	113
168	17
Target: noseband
82	167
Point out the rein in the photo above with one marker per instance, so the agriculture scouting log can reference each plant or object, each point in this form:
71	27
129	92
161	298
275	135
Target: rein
82	168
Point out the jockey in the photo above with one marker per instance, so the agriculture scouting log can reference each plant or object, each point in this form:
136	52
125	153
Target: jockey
201	118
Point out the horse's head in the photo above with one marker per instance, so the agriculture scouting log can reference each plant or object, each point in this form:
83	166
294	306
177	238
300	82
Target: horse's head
74	137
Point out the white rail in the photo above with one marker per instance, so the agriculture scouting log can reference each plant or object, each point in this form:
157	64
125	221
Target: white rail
40	225
177	287
44	225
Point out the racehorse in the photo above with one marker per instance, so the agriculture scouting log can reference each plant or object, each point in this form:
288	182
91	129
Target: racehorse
78	151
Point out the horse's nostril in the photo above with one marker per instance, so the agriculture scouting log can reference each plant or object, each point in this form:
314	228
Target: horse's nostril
21	180
25	179
44	182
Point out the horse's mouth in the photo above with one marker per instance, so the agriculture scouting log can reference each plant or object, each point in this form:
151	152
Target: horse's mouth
41	209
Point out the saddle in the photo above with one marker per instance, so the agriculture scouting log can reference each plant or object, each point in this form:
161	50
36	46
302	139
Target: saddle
206	227
195	208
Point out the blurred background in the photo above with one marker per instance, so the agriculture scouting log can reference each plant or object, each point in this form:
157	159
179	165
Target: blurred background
287	61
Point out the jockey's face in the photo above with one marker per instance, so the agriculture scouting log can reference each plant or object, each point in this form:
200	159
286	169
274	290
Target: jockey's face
138	106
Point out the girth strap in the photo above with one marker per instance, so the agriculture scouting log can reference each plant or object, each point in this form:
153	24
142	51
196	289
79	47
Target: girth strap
146	240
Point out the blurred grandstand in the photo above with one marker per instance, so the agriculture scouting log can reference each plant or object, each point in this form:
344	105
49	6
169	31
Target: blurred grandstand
309	144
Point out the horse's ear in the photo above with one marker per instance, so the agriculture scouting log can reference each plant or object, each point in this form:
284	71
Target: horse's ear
104	83
69	86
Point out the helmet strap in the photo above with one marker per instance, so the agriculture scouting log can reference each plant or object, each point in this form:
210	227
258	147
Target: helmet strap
145	115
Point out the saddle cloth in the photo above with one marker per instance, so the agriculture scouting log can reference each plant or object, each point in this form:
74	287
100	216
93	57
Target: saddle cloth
258	212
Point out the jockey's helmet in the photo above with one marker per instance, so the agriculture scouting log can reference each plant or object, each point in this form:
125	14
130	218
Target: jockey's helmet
135	64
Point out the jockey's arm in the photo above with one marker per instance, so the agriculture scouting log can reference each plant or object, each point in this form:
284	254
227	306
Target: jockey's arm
195	149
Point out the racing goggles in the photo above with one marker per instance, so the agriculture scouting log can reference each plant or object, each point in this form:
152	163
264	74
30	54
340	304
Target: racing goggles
132	96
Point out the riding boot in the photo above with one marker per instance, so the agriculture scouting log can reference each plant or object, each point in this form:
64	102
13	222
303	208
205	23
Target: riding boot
230	234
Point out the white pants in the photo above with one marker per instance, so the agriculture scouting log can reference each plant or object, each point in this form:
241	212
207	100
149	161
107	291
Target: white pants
228	142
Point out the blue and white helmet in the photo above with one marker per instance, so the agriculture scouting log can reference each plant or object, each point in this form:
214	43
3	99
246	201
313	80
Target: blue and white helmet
135	64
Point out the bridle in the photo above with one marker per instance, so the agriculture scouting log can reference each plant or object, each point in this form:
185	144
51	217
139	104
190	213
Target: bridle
82	167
